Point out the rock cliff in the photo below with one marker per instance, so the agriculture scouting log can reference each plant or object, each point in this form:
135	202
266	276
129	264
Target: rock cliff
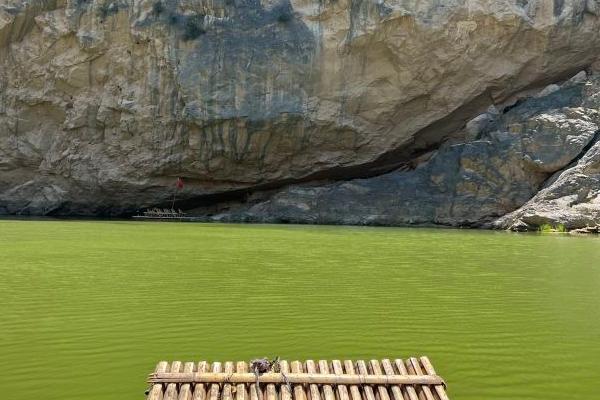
456	112
510	156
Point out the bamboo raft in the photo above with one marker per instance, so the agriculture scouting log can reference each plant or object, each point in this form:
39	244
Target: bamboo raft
158	214
410	379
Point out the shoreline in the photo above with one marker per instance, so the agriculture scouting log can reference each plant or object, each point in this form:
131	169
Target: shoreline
586	231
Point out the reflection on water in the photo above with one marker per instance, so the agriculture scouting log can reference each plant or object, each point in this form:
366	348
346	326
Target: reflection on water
88	308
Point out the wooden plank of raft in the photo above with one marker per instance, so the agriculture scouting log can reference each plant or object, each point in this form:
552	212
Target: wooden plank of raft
200	388
362	370
226	393
156	392
185	392
382	390
439	389
240	389
416	368
213	394
271	392
328	393
313	388
171	391
285	392
298	378
299	393
341	389
361	366
389	370
254	390
354	390
410	390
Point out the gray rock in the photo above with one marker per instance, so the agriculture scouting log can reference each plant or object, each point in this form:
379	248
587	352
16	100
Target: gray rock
551	140
252	95
588	230
580	77
593	7
548	90
473	183
571	198
477	125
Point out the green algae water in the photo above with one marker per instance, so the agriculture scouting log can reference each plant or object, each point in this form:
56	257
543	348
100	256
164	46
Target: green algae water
88	308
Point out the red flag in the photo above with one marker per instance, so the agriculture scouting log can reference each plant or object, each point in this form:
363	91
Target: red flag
179	183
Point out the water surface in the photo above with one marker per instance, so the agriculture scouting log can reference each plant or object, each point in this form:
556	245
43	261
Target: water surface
88	308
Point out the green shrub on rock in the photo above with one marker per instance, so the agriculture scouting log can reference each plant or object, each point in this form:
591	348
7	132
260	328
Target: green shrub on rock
550	228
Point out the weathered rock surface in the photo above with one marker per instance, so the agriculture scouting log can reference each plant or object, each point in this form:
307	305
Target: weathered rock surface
572	199
470	183
104	103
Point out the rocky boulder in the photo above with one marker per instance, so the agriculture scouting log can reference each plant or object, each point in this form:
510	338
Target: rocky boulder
571	198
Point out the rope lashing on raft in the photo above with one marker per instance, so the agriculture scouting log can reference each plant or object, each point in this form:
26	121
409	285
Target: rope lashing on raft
263	365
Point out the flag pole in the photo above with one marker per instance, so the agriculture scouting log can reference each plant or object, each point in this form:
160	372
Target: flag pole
178	185
174	194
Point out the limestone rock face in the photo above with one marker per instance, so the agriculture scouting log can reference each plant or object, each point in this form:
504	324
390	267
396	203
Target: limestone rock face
104	103
468	183
571	198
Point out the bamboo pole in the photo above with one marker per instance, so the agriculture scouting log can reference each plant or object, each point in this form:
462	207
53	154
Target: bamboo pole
214	388
156	391
341	389
171	391
389	370
226	393
416	367
254	390
410	390
175	194
299	393
271	392
361	366
185	392
313	388
328	393
298	378
354	390
285	392
383	393
240	391
439	389
200	388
